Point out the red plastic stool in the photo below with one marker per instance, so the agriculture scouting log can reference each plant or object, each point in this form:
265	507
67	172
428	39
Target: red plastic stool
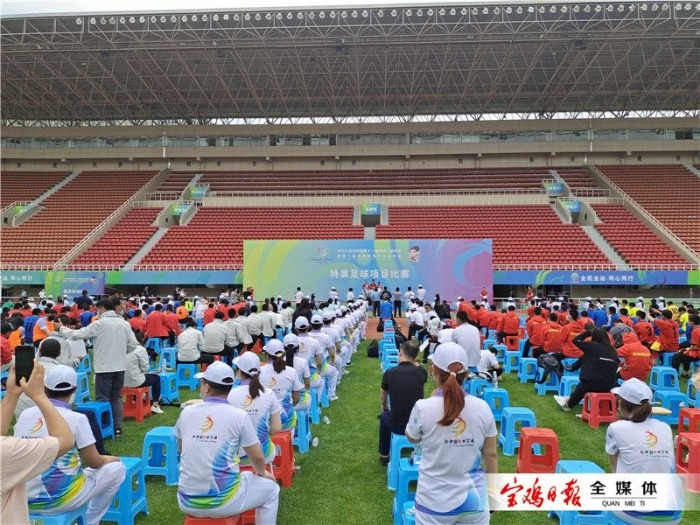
532	462
512	343
137	403
248	516
599	407
692	416
284	462
688	459
230	520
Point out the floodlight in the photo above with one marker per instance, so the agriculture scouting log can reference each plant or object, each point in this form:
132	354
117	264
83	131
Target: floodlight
409	12
541	9
564	9
598	8
268	16
365	13
205	18
610	8
226	16
332	14
258	17
530	9
103	21
184	18
246	16
587	9
485	10
380	13
620	8
79	21
237	17
92	20
644	7
419	12
112	20
654	7
475	11
322	14
496	10
393	12
463	11
354	14
519	10
312	15
215	18
122	20
553	9
132	20
153	19
575	9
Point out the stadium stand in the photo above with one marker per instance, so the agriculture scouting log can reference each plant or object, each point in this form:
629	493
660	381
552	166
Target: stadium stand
27	186
528	236
577	178
632	239
362	181
68	216
121	242
175	182
213	238
669	192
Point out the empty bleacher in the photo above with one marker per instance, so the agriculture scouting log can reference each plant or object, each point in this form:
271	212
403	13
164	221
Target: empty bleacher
632	239
529	236
27	186
120	243
214	237
577	178
175	182
378	181
669	192
68	216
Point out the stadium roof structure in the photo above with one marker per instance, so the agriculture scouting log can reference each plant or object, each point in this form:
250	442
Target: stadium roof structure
475	58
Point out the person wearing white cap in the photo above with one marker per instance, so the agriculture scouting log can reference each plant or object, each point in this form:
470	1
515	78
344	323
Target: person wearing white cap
262	405
458	436
210	435
67	485
328	368
301	368
312	351
282	379
420	292
661	302
639	444
342	351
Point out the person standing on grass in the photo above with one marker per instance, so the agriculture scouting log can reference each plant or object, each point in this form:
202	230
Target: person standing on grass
598	366
458	436
210	434
404	384
113	339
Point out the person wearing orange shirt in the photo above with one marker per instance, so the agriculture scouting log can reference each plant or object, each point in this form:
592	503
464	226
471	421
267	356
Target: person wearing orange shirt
155	325
531	309
508	325
638	358
43	327
137	322
494	317
624	317
182	313
17	336
563	317
171	324
691	354
209	314
534	327
482	316
668	331
551	337
644	329
568	332
530	294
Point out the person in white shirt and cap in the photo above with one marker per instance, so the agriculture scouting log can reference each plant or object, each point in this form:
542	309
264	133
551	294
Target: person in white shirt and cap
301	368
350	296
458	437
312	351
281	378
661	302
210	435
420	293
333	294
328	368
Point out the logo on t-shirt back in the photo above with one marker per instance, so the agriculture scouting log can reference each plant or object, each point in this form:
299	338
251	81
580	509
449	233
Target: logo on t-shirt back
207	425
458	426
37	426
651	439
247	401
272	383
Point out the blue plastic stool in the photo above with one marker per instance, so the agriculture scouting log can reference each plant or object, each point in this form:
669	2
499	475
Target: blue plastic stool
567	385
521	345
569	361
102	410
130	499
85	364
82	393
315	409
511	361
664	378
399	443
665	358
168	387
407	473
159	454
200	323
279	334
155	343
325	397
528	369
551	385
302	432
477	386
409	513
391	362
567	466
169	355
671	400
185	376
68	517
501	353
693	395
509	437
497	399
489	342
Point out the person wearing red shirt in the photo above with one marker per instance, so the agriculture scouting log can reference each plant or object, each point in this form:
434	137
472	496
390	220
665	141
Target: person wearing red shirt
5	351
668	331
691	354
644	329
482	316
551	338
534	327
494	317
138	322
638	358
624	317
171	322
531	309
155	327
530	294
508	325
462	305
563	317
568	332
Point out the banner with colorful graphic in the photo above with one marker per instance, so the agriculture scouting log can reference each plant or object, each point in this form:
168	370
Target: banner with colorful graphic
184	277
12	278
447	267
73	283
594	278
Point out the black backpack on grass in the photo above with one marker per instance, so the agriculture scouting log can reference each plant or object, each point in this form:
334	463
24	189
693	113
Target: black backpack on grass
373	349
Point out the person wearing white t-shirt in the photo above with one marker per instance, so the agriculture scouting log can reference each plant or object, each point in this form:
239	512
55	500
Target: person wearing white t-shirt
467	336
277	376
420	292
210	434
298	296
350	296
458	436
328	367
312	351
488	364
629	441
262	405
67	485
301	368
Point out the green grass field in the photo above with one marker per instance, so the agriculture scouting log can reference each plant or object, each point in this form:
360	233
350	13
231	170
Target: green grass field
341	481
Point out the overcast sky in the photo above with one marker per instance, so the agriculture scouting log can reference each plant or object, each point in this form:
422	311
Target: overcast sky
65	7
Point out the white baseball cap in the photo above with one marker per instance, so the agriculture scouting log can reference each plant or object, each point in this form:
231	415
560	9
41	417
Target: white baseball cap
316	319
218	372
634	391
447	353
301	322
61	378
328	315
274	347
248	363
445	335
290	340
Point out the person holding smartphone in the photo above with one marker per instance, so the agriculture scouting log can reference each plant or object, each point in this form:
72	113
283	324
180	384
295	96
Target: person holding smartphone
24	459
